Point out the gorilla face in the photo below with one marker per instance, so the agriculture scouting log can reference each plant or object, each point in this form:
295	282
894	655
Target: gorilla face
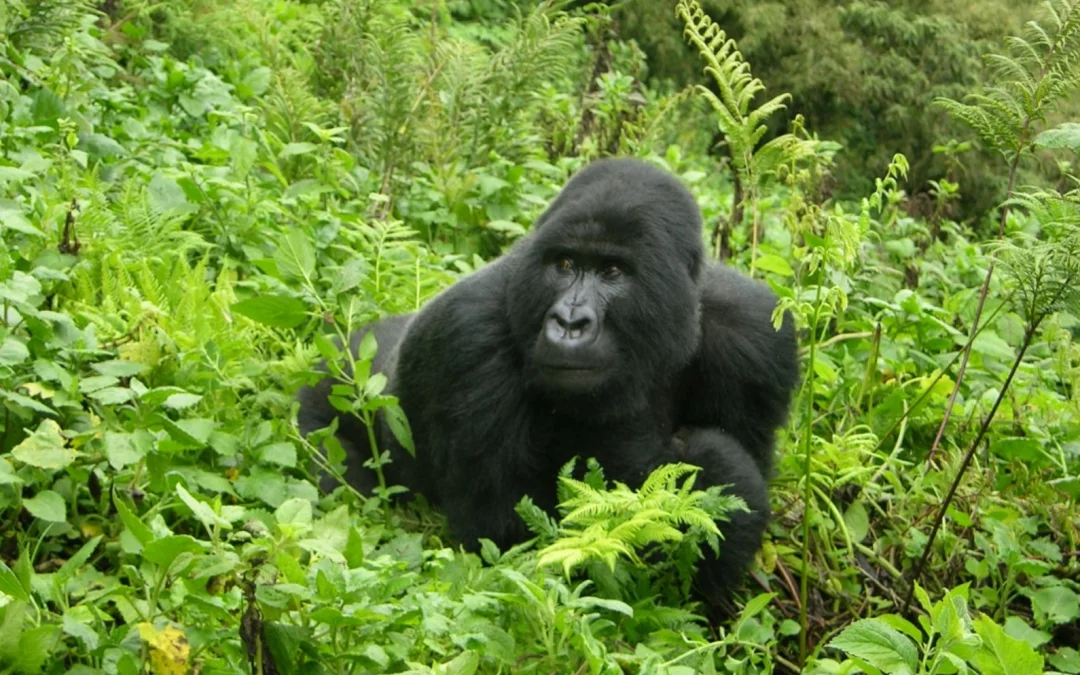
576	351
604	302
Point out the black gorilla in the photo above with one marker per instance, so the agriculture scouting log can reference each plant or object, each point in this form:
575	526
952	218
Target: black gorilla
602	333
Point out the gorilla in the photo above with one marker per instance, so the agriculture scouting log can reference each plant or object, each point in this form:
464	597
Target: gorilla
602	333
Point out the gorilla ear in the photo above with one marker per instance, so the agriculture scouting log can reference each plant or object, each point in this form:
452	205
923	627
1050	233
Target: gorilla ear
696	263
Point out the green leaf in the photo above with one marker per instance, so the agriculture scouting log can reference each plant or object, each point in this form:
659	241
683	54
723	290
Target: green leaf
278	311
857	521
47	505
293	149
167	196
1065	135
295	256
122	449
117	368
880	645
1001	654
13	352
281	454
295	512
45	448
465	663
775	264
165	551
9	584
138	529
80	631
181	401
1022	449
202	510
1057	603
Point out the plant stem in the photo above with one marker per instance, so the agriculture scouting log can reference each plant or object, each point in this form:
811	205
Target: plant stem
983	293
917	571
808	436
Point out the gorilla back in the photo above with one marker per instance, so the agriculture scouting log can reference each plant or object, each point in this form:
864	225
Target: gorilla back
601	333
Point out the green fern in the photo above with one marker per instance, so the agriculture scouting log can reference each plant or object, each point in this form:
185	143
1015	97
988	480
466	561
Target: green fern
617	524
742	125
1039	71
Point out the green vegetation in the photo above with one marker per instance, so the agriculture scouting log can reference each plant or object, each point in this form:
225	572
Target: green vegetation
196	195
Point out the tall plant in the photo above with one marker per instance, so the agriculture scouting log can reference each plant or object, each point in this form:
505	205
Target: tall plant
1039	71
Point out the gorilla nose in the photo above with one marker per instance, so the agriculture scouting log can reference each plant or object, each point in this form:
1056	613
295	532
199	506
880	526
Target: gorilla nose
567	324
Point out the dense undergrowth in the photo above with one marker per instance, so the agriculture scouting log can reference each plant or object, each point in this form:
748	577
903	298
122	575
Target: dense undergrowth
192	193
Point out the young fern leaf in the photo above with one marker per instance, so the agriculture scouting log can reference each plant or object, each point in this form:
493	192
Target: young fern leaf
1033	77
601	525
742	125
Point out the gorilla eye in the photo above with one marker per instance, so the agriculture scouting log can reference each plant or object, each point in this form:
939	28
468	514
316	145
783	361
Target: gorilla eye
612	271
564	264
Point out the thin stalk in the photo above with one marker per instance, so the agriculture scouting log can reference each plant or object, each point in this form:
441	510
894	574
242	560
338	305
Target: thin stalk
808	436
983	293
1029	335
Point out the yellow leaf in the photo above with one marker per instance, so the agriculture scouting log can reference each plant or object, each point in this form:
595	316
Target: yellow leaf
169	649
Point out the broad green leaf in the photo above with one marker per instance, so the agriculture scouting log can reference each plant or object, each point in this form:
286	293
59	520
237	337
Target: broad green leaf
45	448
121	449
1001	654
857	521
281	454
1022	449
880	645
13	352
80	631
47	505
138	529
278	311
75	562
775	264
117	368
7	474
165	551
181	401
1060	604
295	512
295	256
292	149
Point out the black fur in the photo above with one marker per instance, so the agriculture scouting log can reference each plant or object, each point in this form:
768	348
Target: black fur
602	333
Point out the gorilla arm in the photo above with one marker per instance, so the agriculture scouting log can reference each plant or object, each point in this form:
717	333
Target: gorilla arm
742	379
459	380
738	391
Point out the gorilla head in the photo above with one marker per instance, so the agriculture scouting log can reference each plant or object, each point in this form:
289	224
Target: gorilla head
604	299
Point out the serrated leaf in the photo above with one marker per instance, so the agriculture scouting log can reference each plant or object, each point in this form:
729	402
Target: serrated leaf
1001	654
278	311
281	454
295	256
880	645
46	448
1065	135
295	512
47	505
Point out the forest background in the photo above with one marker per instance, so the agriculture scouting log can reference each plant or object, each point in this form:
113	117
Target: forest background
192	191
